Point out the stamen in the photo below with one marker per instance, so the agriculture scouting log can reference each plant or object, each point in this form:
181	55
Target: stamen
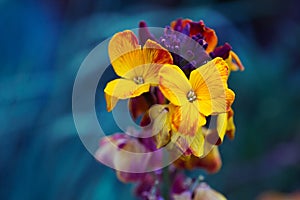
191	96
138	80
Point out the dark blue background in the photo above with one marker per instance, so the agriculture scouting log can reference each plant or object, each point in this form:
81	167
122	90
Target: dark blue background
43	44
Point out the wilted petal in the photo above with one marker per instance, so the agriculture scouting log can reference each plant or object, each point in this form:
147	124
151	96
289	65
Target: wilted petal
221	51
115	151
139	105
183	196
211	162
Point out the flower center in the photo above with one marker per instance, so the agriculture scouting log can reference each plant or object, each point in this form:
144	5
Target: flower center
138	80
191	96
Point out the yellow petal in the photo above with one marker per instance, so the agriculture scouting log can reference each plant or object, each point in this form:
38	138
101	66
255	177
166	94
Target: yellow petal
185	142
225	125
222	125
173	84
217	129
197	144
124	89
230	96
190	118
158	114
110	102
161	124
209	84
163	137
124	52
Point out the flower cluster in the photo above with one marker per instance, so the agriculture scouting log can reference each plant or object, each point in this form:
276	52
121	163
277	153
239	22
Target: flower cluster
177	86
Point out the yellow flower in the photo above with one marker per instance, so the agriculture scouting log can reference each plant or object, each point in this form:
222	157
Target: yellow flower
204	93
138	67
163	129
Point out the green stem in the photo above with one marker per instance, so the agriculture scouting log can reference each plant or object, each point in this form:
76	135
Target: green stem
166	184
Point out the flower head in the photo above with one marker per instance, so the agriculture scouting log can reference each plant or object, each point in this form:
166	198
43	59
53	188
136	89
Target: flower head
118	150
203	94
198	30
138	67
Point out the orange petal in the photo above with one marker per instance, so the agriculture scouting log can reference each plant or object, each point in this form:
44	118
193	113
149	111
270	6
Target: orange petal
155	53
173	84
210	37
209	84
124	89
230	129
211	162
230	96
124	52
237	61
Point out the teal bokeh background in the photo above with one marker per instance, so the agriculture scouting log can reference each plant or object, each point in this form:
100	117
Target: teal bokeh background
43	44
